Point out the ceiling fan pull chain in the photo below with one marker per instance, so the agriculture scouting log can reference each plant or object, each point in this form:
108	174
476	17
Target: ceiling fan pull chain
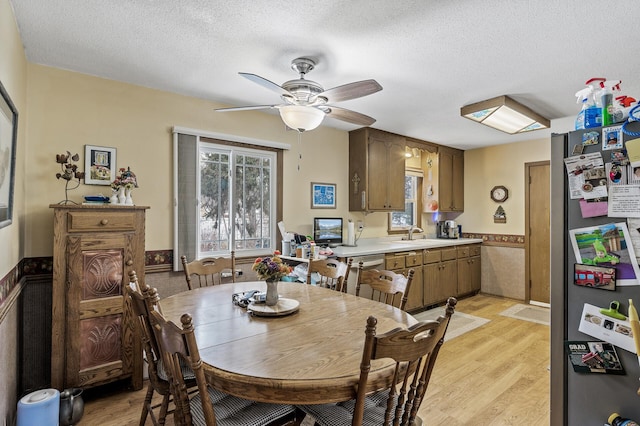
299	148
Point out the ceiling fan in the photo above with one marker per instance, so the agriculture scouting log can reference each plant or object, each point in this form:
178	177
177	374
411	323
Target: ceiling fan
306	102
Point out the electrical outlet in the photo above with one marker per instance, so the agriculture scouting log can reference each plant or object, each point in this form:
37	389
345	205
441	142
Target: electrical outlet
360	226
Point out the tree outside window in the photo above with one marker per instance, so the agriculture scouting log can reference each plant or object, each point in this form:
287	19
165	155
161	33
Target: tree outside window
236	208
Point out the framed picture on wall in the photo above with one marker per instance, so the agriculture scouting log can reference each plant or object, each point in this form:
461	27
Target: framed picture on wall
323	195
99	165
8	142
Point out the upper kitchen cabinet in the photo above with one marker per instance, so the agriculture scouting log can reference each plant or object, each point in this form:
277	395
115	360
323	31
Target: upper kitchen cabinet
376	170
450	180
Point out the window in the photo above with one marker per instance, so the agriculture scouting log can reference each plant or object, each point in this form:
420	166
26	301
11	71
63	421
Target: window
410	216
225	198
235	200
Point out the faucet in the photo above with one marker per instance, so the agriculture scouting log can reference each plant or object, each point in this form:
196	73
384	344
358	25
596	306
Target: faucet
411	230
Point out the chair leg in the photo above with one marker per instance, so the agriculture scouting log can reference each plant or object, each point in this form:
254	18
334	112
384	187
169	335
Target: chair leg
164	408
146	405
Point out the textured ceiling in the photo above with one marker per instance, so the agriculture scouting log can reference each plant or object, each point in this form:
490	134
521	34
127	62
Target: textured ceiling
431	57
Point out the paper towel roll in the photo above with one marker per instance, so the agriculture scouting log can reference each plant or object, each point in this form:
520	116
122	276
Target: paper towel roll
41	407
351	234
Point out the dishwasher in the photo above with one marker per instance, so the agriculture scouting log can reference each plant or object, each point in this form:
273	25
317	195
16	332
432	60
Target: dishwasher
371	261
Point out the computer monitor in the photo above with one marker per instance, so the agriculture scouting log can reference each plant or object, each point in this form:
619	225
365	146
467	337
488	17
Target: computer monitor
327	231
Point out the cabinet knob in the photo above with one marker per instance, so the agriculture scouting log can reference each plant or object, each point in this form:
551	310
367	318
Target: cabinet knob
104	222
129	262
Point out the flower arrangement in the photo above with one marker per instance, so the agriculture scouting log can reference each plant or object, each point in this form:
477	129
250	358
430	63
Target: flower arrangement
271	268
69	171
125	179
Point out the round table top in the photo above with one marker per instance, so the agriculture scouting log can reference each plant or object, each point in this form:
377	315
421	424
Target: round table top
311	356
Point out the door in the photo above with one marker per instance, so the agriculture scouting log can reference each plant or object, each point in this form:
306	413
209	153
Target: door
378	167
415	296
537	247
100	330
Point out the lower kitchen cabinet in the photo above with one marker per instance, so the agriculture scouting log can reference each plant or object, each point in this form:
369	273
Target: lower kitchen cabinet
469	269
415	296
401	263
440	275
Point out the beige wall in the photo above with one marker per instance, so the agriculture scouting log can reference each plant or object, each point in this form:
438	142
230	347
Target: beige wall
498	165
13	76
503	268
68	110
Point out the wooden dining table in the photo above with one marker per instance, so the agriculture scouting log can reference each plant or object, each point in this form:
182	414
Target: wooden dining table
310	356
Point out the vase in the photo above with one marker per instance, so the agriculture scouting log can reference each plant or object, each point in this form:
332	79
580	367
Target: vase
121	196
127	197
114	197
272	293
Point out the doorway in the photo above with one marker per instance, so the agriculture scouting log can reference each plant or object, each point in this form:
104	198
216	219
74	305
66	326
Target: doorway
537	233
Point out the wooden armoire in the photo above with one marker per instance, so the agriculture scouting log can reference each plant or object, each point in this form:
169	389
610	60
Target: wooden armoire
94	335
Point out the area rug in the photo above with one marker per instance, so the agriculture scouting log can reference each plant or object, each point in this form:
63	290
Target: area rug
531	313
460	322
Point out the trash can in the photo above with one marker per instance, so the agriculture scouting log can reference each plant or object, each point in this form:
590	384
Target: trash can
41	407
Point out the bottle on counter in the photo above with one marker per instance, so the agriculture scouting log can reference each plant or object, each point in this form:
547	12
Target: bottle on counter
616	420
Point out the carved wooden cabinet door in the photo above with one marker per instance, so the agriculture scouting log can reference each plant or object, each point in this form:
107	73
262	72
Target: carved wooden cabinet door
100	332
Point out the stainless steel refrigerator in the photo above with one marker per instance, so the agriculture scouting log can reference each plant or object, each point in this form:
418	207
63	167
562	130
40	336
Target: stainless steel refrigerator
579	398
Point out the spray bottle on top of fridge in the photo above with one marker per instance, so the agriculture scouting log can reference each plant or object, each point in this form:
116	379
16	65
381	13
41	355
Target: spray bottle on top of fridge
598	88
590	113
606	96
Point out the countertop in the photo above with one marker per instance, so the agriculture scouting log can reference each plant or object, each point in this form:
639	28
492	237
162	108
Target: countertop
368	246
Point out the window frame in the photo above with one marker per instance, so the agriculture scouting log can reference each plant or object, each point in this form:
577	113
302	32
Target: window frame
419	177
239	144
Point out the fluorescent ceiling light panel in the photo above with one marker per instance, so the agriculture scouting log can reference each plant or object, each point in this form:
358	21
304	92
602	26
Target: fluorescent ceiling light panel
505	114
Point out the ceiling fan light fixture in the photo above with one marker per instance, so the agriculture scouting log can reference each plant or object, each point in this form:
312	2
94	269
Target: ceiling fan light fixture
505	114
301	118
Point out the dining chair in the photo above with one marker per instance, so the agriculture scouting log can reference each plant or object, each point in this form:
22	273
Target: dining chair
210	270
208	406
384	286
144	299
332	272
414	351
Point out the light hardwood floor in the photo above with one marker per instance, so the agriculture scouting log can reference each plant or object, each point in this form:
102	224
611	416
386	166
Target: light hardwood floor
497	374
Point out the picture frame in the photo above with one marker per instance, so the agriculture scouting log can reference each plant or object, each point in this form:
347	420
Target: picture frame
8	146
612	138
607	245
323	195
99	165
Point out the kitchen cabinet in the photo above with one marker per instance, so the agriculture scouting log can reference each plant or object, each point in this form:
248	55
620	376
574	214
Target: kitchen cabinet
439	274
401	263
450	180
94	335
469	269
376	170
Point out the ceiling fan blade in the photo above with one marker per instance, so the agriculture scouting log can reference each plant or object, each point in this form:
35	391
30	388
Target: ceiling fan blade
267	84
349	116
246	108
349	91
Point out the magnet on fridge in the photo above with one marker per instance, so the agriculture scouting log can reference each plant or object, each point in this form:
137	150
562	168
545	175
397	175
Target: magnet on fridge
613	311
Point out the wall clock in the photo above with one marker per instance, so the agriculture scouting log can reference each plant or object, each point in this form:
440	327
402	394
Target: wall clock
499	194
